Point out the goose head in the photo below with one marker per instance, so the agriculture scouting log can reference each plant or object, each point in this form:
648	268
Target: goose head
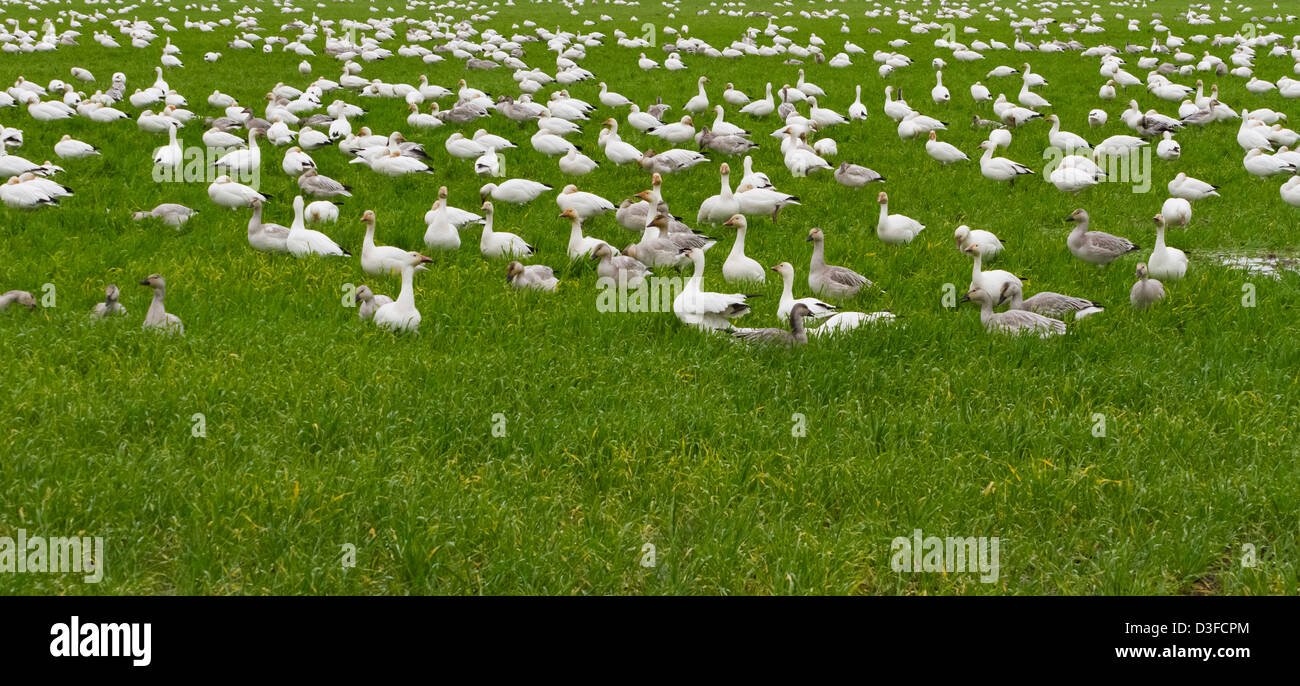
484	192
961	234
1009	290
1077	216
883	198
976	294
415	259
784	269
368	217
363	294
660	222
111	293
513	271
569	214
1142	271
815	235
602	251
736	221
973	249
154	281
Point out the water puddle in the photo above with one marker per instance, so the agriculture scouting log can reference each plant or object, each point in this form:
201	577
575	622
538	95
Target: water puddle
1270	264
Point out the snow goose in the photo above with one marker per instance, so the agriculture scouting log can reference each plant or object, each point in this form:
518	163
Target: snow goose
157	317
1031	99
70	148
857	110
739	267
368	302
580	246
316	185
1047	303
939	94
816	308
1000	168
657	249
828	280
720	207
753	178
991	280
401	315
738	98
841	322
895	228
896	109
1290	191
1012	321
379	259
586	205
17	297
111	305
170	213
1146	291
763	201
1095	247
758	108
535	276
980	93
1263	165
705	309
1168	149
303	241
1064	140
13	165
988	243
296	162
266	237
944	153
609	98
227	193
723	128
1184	186
442	233
244	162
575	163
517	191
677	132
856	176
620	269
797	335
1176	211
700	102
1166	262
500	244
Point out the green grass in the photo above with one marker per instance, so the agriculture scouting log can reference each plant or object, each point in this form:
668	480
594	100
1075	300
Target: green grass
626	429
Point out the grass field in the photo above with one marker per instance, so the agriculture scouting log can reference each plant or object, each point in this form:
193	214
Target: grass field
622	430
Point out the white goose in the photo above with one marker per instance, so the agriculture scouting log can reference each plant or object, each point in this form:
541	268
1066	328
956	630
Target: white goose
500	244
517	191
992	280
1166	262
740	267
379	259
401	314
944	153
1000	168
705	309
303	241
580	246
816	308
895	228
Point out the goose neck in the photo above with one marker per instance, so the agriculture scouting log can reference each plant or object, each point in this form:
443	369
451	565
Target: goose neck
406	298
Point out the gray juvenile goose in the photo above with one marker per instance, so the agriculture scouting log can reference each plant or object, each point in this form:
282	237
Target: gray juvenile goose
795	336
1096	247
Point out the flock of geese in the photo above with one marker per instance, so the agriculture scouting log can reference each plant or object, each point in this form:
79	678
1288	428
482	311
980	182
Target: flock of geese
315	117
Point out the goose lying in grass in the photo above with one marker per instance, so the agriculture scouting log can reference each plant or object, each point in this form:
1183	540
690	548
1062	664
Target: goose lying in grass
1176	211
705	309
841	322
585	205
670	161
1146	291
157	317
1000	168
229	193
1095	247
318	186
17	297
70	148
496	245
1184	186
620	269
828	280
111	306
401	315
441	233
303	241
172	214
659	249
517	191
368	302
816	308
536	276
1012	321
264	237
1290	191
379	259
1166	262
797	335
988	243
895	228
1047	303
855	176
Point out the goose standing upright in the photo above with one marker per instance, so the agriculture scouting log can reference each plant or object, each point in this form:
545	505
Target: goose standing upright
1146	291
401	315
1095	247
1166	262
895	228
740	267
157	317
720	207
829	280
379	259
